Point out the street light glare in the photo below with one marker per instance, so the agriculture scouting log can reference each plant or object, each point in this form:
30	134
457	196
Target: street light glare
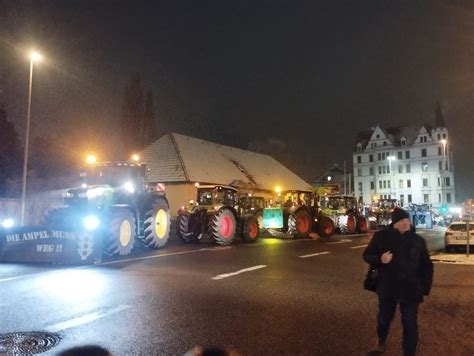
35	56
443	141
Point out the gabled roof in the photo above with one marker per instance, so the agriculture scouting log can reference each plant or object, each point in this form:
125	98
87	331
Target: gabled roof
179	158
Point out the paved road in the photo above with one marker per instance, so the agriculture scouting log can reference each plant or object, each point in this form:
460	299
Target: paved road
278	297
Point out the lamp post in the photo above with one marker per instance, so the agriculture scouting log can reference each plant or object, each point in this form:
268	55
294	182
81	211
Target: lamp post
34	57
443	171
390	159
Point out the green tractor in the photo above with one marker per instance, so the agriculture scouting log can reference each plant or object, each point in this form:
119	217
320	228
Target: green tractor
297	215
216	213
380	213
118	204
344	212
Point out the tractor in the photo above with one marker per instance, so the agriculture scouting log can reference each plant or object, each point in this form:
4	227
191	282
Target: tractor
380	212
116	202
344	212
216	212
297	215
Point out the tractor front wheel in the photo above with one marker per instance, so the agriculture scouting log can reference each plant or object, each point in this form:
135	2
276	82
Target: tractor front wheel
362	225
325	227
250	229
299	224
121	233
222	227
185	229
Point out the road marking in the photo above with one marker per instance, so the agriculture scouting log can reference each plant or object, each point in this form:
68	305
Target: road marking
338	242
315	254
360	246
165	255
85	319
226	275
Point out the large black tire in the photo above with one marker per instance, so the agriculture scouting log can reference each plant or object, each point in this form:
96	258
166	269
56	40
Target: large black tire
250	229
349	226
121	233
222	227
299	224
325	227
185	229
156	224
259	217
362	225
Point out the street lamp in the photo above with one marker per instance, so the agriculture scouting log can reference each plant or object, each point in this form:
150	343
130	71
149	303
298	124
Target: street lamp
390	159
34	57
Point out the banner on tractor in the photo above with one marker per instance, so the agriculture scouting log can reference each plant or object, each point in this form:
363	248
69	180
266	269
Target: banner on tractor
37	244
273	218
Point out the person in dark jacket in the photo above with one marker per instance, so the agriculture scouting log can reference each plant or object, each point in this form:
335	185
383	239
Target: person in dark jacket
405	275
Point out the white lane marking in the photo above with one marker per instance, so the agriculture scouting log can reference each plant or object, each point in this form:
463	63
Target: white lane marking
360	246
226	275
166	254
338	242
85	319
315	254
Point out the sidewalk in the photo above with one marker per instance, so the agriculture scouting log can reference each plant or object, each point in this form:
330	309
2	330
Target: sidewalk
455	258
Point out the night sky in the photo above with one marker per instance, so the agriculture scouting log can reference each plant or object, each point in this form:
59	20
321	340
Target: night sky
302	77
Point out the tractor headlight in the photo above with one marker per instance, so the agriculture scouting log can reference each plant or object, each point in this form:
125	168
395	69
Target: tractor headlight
67	195
372	218
95	192
129	187
8	223
91	222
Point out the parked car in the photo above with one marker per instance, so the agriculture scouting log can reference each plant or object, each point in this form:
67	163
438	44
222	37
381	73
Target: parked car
456	236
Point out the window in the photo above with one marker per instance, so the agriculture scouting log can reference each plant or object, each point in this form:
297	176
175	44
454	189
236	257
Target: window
440	151
439	136
379	156
385	143
407	154
439	196
388	184
448	198
409	198
400	184
359	148
377	136
425	182
439	181
400	168
359	172
424	166
402	199
384	169
385	184
380	184
359	159
373	145
408	183
408	168
440	165
403	142
448	181
360	186
426	198
423	152
371	171
371	158
372	185
444	135
400	155
380	169
383	155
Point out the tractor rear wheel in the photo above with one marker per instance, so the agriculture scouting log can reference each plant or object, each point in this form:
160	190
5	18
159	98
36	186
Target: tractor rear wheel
250	229
222	227
157	224
121	232
299	224
362	225
325	227
349	227
185	229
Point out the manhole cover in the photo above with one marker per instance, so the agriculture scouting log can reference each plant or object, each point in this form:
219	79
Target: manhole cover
27	343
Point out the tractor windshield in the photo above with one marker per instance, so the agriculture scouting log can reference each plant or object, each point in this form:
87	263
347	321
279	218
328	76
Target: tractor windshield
114	175
216	196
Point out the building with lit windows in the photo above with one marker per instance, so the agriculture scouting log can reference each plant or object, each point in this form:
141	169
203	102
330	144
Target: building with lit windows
411	163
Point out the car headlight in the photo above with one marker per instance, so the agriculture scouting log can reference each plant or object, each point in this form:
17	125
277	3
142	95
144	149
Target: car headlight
8	223
91	222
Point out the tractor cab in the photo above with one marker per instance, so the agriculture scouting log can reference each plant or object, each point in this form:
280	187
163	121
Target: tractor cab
215	196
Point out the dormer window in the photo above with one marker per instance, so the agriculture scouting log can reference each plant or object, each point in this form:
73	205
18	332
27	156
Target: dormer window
373	145
377	136
359	147
403	142
385	143
423	139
